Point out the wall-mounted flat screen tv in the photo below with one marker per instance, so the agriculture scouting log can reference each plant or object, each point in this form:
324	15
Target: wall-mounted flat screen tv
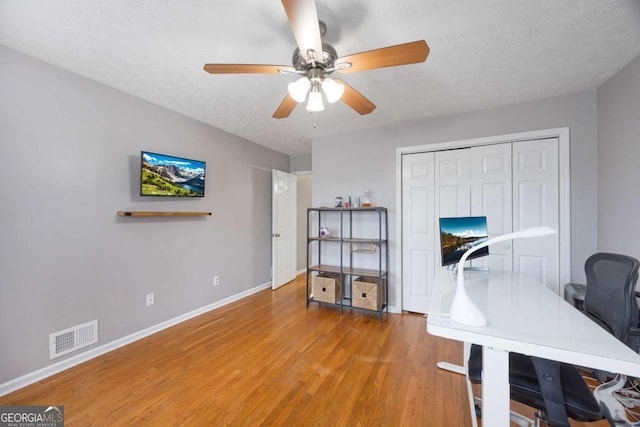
163	175
458	235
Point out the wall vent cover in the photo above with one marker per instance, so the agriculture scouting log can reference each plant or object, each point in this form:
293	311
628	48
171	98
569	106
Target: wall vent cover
72	339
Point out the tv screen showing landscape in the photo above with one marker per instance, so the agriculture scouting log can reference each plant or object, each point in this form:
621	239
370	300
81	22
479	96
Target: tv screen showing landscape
163	175
458	235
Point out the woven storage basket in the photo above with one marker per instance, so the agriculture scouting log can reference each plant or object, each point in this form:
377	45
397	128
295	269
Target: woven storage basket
364	293
326	287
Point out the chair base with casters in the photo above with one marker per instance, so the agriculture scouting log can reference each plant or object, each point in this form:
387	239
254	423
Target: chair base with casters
617	399
556	390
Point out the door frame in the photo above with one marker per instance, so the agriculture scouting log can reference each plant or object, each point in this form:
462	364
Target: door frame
564	190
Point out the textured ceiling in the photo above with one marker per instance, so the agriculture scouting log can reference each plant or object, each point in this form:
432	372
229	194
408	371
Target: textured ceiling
483	54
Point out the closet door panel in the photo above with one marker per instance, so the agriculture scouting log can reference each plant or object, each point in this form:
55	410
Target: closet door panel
418	232
535	187
452	183
491	192
452	186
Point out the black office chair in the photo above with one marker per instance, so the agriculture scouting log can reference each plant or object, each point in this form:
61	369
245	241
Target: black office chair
556	390
610	300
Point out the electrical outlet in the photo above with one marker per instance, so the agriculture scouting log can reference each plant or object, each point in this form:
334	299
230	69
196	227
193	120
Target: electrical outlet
216	280
150	299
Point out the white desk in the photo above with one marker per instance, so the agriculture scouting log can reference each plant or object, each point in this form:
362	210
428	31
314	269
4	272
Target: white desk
524	316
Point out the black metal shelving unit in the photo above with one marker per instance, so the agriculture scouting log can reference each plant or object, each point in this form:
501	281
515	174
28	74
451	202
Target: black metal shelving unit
345	268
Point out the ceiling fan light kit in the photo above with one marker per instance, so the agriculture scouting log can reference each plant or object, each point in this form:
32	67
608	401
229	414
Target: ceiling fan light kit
315	100
311	84
299	89
332	89
315	61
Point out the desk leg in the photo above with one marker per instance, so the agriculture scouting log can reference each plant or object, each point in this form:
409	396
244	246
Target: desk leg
495	387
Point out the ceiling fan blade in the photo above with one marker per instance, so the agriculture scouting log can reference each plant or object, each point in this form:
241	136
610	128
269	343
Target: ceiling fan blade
356	100
303	18
402	54
246	68
285	108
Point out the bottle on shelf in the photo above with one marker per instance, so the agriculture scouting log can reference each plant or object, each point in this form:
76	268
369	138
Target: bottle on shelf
366	199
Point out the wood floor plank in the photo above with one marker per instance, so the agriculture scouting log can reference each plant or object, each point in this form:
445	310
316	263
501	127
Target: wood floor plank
267	360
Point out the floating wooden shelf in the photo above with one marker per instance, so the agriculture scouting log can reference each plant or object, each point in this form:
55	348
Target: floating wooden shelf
147	213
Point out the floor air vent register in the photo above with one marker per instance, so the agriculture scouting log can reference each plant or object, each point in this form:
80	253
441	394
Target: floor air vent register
72	339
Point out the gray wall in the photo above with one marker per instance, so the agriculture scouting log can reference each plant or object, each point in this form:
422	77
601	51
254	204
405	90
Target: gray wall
618	162
300	163
367	160
304	201
70	152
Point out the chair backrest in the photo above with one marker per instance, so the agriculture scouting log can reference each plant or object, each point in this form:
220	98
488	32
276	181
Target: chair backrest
610	298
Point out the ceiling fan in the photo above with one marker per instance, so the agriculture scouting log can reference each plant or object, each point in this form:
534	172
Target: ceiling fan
315	61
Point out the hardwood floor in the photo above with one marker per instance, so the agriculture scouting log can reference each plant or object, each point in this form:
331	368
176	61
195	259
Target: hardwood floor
267	361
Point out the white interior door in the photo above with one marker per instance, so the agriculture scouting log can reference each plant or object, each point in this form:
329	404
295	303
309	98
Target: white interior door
283	235
418	233
535	203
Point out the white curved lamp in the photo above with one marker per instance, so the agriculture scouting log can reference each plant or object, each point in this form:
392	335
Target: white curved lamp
463	310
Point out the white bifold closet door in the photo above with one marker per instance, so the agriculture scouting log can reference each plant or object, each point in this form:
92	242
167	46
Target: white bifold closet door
535	203
418	231
515	185
491	196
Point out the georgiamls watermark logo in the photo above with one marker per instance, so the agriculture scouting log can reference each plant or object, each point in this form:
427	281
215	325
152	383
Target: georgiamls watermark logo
32	416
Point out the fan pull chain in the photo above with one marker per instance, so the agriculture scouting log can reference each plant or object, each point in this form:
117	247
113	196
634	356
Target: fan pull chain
315	117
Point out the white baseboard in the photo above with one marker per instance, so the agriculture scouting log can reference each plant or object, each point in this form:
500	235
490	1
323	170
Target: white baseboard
40	374
394	309
299	272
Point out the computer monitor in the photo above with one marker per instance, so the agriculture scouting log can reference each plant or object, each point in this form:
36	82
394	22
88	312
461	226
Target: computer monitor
457	235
